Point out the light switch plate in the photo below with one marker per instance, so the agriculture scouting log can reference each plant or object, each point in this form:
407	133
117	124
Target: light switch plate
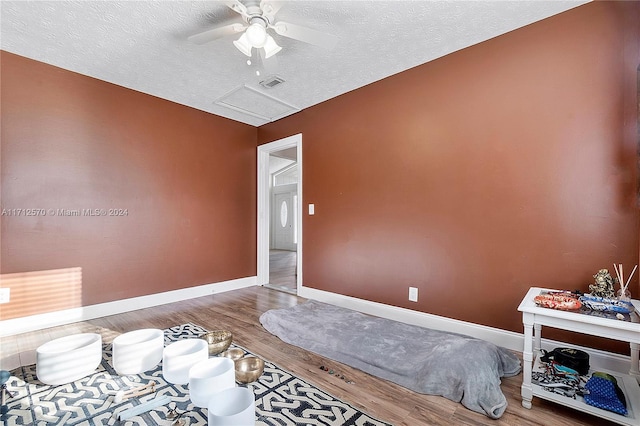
312	209
413	294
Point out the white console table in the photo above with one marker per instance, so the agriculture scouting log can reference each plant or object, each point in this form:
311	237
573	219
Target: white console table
534	317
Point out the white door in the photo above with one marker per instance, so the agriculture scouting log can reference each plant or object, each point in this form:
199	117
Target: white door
265	210
283	224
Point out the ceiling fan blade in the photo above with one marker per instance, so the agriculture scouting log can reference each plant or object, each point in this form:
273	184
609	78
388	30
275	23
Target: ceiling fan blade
305	34
270	8
216	33
236	6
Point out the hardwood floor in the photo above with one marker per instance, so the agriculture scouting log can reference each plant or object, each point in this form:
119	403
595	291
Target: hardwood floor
239	311
282	270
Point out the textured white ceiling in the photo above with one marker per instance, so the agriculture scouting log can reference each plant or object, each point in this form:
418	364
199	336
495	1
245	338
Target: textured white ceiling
143	45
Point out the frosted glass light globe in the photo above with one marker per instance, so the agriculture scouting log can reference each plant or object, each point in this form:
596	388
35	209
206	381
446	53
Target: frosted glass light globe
256	35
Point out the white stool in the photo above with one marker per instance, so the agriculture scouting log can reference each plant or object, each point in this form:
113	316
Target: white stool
234	406
137	351
178	357
69	358
209	377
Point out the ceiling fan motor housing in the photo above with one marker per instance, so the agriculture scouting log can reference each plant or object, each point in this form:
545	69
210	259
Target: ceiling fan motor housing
255	11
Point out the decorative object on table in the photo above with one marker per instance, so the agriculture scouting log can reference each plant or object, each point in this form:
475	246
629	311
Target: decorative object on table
563	373
439	363
233	406
605	393
4	392
572	358
68	358
562	385
249	369
88	401
623	293
562	300
552	368
606	304
208	377
218	341
603	284
179	357
121	395
137	351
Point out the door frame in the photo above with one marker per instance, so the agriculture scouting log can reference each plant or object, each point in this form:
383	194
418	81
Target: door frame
264	207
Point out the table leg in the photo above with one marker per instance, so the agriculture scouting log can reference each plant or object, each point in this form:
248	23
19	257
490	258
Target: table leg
537	338
527	358
635	361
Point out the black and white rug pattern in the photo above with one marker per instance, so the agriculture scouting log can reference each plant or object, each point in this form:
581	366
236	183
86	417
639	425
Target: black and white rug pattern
281	397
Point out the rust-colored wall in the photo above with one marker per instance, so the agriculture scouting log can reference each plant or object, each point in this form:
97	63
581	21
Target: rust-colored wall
506	165
185	177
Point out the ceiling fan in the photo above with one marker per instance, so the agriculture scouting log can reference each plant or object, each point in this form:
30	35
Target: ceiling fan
258	17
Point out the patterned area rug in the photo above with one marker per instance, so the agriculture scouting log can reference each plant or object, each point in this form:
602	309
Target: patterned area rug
281	397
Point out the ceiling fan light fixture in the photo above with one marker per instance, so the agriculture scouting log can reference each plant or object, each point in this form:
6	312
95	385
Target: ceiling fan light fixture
243	44
257	34
271	47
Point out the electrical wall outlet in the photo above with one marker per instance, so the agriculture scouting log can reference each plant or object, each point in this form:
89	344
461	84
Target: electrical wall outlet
5	295
413	294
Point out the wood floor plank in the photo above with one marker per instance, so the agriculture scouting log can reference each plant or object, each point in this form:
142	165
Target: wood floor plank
239	312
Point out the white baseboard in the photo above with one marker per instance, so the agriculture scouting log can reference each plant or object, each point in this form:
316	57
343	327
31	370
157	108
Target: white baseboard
507	339
68	316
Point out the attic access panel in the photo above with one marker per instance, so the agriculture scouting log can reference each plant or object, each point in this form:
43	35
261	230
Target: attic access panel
253	102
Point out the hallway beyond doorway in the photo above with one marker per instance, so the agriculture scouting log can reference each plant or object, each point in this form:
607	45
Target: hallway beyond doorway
282	270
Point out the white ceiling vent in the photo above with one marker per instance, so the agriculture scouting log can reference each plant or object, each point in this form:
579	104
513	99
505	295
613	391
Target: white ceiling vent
253	102
272	82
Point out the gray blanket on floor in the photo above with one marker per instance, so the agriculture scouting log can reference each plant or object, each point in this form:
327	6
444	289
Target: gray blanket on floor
461	368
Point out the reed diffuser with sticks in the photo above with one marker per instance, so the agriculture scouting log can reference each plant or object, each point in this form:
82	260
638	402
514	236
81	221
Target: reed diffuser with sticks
623	293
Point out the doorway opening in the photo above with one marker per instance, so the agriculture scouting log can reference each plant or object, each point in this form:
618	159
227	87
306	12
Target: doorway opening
279	214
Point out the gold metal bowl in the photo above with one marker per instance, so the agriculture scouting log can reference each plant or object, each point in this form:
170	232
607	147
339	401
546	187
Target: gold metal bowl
218	341
249	369
233	353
